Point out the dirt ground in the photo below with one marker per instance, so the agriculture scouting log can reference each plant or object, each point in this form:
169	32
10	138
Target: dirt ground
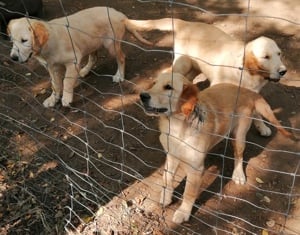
95	168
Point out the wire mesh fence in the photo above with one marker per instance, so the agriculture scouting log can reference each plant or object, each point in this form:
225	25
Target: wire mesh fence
96	167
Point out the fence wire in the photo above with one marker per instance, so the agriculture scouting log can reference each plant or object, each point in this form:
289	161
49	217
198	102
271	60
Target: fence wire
96	167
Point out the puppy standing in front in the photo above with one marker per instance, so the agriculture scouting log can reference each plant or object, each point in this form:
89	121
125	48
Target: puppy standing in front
61	44
193	122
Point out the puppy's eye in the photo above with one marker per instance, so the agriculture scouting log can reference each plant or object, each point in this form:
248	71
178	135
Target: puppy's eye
23	40
279	53
168	87
267	57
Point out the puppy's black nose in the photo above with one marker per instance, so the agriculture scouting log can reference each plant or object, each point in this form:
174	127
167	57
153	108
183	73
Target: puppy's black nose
145	97
14	58
282	72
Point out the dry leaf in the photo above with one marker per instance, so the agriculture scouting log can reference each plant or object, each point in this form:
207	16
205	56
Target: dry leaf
258	180
47	166
266	199
100	155
87	219
31	175
270	223
264	232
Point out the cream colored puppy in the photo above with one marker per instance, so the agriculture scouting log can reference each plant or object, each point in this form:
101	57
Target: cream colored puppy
193	122
204	48
61	44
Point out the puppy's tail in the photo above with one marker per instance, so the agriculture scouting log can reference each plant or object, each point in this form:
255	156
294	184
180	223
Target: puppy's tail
164	24
132	30
264	109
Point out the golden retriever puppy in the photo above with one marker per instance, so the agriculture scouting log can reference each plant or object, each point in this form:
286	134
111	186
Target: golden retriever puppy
62	43
222	59
193	122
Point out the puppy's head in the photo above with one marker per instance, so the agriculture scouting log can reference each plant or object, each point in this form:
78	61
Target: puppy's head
28	37
167	94
263	57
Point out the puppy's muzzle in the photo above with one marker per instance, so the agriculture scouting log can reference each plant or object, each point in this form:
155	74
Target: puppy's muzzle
14	57
145	98
281	72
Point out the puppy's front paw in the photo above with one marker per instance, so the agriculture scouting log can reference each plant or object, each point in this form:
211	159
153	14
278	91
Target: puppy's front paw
50	101
67	98
180	216
238	177
66	102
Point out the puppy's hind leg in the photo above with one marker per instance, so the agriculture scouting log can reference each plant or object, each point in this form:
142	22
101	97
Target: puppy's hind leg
116	51
91	62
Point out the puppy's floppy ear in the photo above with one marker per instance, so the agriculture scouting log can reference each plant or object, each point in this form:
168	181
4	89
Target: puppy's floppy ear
251	63
188	99
188	106
40	36
8	29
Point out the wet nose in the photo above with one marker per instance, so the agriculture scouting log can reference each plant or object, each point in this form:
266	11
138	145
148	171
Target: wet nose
282	72
145	97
